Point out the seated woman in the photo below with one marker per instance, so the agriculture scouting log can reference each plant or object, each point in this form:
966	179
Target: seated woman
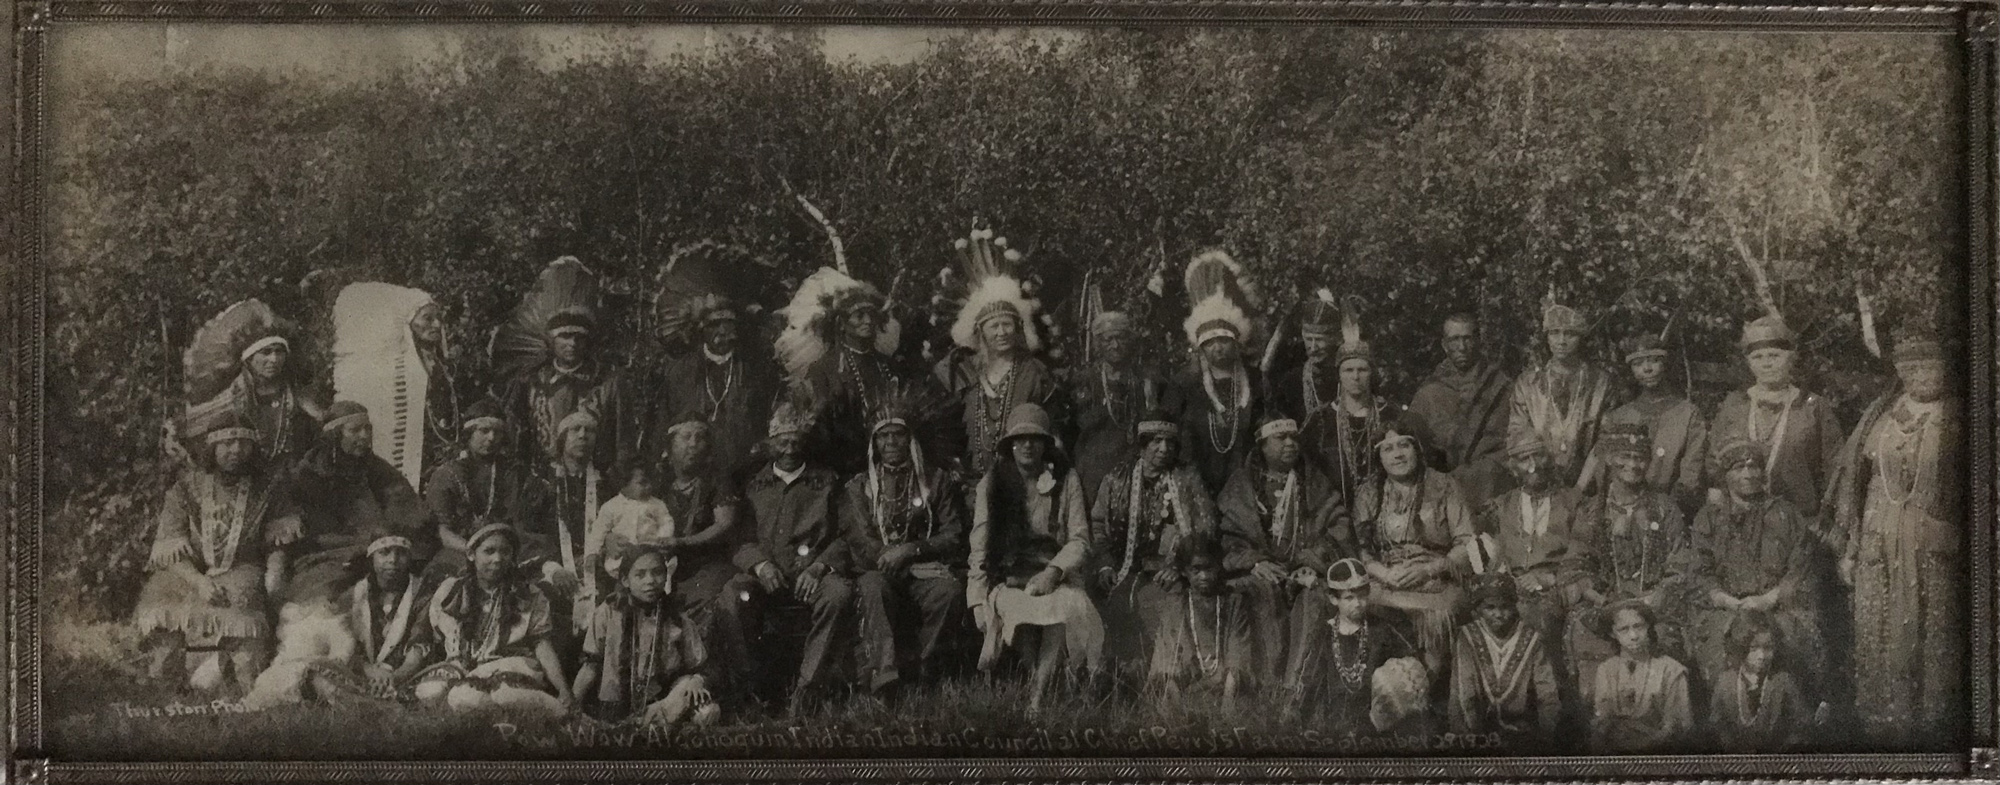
215	556
1413	529
493	628
643	658
368	642
347	497
1030	537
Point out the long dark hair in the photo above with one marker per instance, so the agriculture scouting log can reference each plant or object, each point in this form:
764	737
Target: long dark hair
1008	500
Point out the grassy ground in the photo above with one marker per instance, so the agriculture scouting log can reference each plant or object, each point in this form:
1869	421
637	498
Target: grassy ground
93	699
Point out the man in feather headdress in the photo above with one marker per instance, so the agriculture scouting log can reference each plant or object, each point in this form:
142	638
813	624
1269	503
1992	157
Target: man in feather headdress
719	385
1111	395
1466	404
549	354
836	345
1220	393
217	554
905	530
483	485
1283	522
997	325
239	365
1562	401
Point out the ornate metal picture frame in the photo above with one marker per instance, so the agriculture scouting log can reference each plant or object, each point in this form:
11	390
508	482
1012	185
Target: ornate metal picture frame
1927	259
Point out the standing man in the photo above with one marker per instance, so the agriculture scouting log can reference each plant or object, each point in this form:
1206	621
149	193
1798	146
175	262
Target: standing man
1466	402
1299	392
797	568
1112	395
572	380
1680	435
717	385
836	345
1283	523
1562	401
905	529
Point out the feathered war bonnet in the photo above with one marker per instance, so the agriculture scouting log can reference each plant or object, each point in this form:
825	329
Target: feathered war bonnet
563	299
1217	300
994	289
812	319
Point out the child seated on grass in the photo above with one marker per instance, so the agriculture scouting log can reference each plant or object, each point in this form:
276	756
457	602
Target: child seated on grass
642	658
1502	678
1639	697
1755	707
1207	647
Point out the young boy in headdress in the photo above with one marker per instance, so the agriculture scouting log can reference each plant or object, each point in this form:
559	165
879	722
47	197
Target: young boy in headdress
642	656
1502	678
1339	641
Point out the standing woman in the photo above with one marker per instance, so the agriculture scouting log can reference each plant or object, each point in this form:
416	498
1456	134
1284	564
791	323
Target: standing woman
1796	429
997	324
1896	505
1221	396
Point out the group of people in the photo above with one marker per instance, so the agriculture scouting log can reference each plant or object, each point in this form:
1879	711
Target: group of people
1576	558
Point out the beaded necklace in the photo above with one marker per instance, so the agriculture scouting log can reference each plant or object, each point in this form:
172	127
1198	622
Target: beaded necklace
1904	462
1351	670
728	380
1209	663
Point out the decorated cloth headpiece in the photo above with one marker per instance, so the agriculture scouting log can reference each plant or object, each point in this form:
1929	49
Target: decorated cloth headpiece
1768	330
1346	575
1739	451
263	343
1622	438
492	530
790	417
576	419
1159	427
1111	323
229	426
387	541
484	413
1274	428
1643	345
688	425
343	412
1526	442
1916	345
1493	586
1557	317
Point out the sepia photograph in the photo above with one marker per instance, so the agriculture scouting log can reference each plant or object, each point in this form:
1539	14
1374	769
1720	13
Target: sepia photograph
663	390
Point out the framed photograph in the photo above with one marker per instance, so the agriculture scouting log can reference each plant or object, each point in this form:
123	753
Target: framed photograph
1077	391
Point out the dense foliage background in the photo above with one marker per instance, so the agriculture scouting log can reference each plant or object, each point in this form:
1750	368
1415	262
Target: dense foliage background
1425	170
